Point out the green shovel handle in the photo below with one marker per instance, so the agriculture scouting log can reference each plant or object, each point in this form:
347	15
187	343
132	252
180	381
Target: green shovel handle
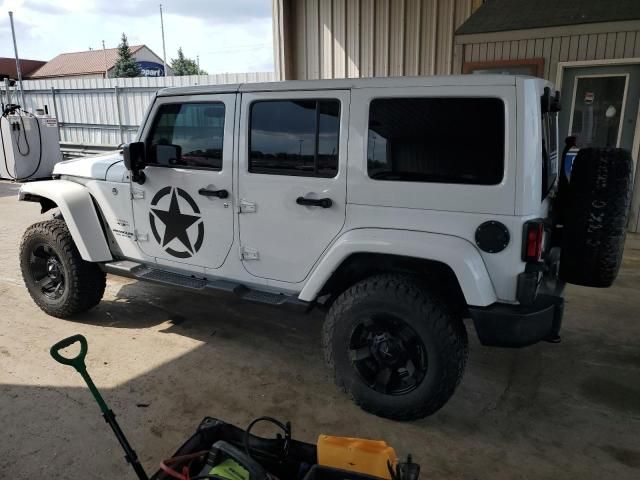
76	362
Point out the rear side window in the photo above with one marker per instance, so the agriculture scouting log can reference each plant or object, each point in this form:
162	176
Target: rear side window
295	137
439	140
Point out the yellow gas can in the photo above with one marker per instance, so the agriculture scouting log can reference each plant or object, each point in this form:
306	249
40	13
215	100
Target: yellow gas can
357	455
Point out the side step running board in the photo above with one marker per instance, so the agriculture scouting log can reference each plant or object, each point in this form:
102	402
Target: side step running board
129	269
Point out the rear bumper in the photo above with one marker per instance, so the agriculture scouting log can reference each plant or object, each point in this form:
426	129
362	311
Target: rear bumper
503	325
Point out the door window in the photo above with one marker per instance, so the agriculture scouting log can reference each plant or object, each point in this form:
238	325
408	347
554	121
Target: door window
439	140
295	137
598	104
187	135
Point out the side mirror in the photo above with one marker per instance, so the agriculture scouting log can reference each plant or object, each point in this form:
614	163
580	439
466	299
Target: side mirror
134	159
167	154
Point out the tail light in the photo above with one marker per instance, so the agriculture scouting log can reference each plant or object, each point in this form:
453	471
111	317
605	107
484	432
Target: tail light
532	241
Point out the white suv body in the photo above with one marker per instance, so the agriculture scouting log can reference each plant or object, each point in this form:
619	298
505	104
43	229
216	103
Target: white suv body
293	242
276	211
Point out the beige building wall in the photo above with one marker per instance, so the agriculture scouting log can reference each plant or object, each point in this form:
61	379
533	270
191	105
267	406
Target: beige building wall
600	41
366	38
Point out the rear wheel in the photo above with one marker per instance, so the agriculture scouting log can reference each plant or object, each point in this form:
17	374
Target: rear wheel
395	347
59	281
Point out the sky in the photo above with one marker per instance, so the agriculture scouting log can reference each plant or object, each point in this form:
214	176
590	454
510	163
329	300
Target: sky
228	35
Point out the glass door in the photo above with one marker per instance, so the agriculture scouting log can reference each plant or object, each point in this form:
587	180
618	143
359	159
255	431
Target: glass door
597	110
600	105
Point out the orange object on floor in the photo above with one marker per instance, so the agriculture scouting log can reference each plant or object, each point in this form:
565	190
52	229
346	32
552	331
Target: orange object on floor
357	455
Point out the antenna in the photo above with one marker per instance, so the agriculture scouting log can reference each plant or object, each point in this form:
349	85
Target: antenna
164	51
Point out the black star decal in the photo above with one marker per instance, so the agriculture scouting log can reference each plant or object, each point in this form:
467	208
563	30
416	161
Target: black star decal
176	223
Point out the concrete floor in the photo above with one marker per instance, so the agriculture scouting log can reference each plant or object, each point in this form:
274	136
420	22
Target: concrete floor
165	359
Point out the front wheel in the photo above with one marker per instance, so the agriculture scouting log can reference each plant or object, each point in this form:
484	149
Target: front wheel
59	281
395	347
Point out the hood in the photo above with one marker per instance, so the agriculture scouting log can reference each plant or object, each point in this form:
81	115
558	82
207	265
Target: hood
96	166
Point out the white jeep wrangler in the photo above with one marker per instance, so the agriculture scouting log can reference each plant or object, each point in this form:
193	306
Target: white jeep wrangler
399	205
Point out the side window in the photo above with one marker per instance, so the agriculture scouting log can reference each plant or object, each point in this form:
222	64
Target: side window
294	137
187	135
439	140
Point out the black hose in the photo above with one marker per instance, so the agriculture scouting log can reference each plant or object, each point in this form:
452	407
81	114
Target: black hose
4	151
26	140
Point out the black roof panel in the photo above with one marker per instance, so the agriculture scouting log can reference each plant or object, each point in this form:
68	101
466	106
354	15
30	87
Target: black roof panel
505	15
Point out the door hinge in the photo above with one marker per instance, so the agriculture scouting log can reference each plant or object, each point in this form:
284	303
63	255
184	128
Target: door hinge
137	194
247	207
247	253
141	237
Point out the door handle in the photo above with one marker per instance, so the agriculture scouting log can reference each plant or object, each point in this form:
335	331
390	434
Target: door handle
312	202
213	193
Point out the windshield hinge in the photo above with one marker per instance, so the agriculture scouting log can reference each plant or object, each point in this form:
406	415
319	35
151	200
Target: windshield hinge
137	194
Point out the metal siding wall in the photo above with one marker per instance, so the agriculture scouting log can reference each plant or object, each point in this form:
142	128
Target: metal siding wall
326	40
381	38
353	34
429	37
87	111
340	38
363	38
569	48
412	37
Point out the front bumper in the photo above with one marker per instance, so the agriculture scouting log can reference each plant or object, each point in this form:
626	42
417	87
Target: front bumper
504	325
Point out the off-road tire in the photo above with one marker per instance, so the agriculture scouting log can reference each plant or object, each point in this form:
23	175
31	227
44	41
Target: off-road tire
442	332
84	281
596	215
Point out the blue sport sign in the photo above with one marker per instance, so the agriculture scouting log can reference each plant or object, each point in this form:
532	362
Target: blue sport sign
151	69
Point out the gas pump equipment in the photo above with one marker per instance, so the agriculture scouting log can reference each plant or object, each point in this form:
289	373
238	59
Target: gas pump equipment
30	146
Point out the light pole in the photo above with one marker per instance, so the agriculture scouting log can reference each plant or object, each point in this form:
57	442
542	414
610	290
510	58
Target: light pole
15	49
106	68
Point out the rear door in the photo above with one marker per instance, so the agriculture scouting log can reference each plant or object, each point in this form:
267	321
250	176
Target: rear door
292	179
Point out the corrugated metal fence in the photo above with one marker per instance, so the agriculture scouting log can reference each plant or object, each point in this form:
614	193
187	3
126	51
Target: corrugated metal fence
107	112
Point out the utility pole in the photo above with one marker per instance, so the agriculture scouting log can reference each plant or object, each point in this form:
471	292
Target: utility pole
198	62
15	49
164	51
106	67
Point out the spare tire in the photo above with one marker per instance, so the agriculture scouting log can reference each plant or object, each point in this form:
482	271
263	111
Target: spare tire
596	214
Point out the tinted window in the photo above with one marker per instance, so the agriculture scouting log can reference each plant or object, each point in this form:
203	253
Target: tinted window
197	128
442	140
295	137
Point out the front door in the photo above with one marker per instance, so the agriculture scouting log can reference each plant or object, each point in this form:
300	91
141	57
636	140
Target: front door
182	212
292	179
600	105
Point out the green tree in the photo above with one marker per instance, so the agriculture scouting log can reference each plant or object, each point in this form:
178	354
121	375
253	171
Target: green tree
185	66
126	65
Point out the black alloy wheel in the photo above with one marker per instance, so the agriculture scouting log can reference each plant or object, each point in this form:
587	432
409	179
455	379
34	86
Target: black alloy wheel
388	355
47	271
